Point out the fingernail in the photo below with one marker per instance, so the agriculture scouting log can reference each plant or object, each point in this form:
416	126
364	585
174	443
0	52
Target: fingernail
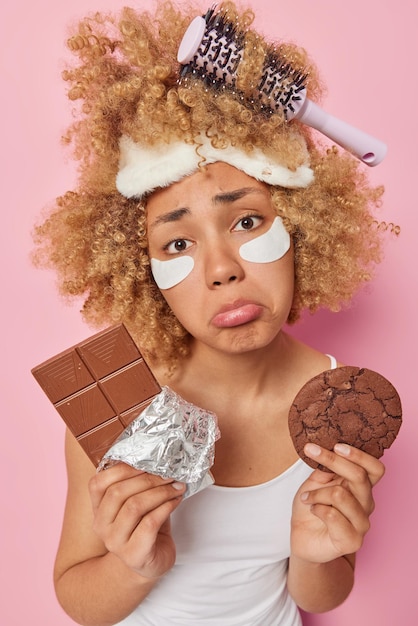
342	448
178	486
312	449
304	496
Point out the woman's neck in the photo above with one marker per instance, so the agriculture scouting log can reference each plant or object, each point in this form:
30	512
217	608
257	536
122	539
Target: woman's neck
245	374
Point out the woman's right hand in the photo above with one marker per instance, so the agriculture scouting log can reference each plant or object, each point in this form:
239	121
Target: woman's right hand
132	517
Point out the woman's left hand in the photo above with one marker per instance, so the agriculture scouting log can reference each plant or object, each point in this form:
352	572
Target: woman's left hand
331	511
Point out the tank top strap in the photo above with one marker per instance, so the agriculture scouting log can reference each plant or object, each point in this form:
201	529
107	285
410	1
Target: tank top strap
333	361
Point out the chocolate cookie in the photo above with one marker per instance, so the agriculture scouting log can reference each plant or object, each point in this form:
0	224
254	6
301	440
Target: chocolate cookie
350	405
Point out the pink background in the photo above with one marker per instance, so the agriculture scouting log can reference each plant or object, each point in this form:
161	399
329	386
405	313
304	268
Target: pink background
367	52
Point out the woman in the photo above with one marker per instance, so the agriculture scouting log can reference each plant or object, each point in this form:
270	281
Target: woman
206	226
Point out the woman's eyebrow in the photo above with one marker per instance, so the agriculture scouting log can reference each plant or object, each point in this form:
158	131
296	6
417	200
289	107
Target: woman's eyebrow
236	194
220	198
170	216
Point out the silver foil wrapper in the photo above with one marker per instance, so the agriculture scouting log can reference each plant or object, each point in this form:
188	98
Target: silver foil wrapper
171	438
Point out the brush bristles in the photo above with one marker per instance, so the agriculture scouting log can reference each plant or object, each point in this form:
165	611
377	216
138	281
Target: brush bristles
281	88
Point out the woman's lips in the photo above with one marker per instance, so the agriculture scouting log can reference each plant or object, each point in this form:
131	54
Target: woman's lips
237	314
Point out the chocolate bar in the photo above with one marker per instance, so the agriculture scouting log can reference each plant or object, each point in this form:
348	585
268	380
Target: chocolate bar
98	386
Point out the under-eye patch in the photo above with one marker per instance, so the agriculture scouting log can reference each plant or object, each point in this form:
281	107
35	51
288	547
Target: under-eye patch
167	274
269	246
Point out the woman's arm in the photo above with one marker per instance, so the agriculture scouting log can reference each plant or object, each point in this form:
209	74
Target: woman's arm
320	587
115	540
330	519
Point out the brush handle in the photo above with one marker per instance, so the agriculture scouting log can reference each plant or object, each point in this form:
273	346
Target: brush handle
365	147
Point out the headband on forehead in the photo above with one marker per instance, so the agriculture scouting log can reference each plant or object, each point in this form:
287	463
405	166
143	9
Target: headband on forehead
143	169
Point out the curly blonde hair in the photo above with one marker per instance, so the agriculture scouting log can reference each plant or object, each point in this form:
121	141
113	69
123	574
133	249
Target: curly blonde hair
126	82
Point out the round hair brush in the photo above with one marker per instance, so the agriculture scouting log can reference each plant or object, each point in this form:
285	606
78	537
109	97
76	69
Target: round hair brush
212	49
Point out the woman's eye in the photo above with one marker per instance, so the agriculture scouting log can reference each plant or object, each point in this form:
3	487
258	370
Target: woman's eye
248	222
178	245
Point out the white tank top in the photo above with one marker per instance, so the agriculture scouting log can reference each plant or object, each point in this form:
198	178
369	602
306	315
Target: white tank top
233	545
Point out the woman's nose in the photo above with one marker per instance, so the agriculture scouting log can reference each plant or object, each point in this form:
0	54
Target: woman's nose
229	279
222	266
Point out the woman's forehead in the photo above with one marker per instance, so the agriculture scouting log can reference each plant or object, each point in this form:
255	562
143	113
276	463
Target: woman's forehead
219	183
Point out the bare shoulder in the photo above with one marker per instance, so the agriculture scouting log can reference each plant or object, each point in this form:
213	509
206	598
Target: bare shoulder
305	362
